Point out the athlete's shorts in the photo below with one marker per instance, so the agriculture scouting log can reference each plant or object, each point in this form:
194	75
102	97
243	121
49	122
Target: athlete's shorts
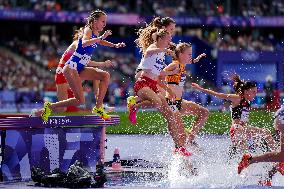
59	76
176	105
145	82
78	61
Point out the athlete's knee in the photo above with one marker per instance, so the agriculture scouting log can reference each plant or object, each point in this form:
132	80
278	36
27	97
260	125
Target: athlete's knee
204	113
62	109
106	77
157	103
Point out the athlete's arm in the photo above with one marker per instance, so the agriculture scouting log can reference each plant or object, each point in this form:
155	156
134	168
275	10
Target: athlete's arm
153	49
170	70
230	97
105	64
72	46
87	39
199	57
110	44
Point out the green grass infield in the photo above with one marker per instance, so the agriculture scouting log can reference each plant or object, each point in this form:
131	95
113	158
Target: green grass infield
154	123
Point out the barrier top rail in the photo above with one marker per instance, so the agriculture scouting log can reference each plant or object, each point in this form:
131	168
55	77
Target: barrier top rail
25	122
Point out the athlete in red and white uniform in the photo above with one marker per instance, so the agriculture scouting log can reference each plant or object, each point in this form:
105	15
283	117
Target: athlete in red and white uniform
276	156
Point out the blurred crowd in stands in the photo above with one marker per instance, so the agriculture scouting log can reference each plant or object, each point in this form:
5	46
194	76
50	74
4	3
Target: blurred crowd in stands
252	41
17	74
47	53
157	7
37	74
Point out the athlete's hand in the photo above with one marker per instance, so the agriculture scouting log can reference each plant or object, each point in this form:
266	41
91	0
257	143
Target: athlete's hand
175	70
119	45
199	57
108	64
171	95
106	34
196	86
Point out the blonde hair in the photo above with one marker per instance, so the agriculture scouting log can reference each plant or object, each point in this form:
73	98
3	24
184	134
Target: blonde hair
77	33
95	15
180	48
146	36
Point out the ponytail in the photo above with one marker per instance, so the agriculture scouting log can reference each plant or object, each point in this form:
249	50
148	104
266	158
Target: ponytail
240	85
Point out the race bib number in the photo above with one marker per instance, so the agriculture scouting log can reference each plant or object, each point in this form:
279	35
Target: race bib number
73	65
182	81
174	108
245	115
59	70
85	59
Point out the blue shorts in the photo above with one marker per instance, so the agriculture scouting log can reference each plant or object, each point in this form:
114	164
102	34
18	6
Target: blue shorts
75	62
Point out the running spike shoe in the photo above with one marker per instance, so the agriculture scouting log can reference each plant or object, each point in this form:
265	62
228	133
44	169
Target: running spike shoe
244	162
101	112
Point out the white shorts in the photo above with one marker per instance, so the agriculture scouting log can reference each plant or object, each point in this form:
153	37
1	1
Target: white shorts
280	116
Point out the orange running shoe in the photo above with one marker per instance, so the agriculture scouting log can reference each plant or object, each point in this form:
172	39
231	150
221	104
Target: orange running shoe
182	151
280	168
244	163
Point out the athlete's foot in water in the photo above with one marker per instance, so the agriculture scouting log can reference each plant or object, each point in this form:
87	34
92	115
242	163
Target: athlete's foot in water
187	168
46	111
101	112
182	151
131	102
192	144
190	137
245	162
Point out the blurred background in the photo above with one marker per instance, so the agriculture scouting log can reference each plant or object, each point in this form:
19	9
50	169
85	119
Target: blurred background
243	36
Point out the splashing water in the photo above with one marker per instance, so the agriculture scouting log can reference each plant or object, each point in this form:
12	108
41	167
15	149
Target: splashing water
215	170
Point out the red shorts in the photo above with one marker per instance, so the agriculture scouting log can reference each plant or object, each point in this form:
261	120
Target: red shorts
70	93
59	76
145	82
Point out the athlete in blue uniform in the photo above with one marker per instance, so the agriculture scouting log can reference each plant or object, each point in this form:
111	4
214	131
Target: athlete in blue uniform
76	67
